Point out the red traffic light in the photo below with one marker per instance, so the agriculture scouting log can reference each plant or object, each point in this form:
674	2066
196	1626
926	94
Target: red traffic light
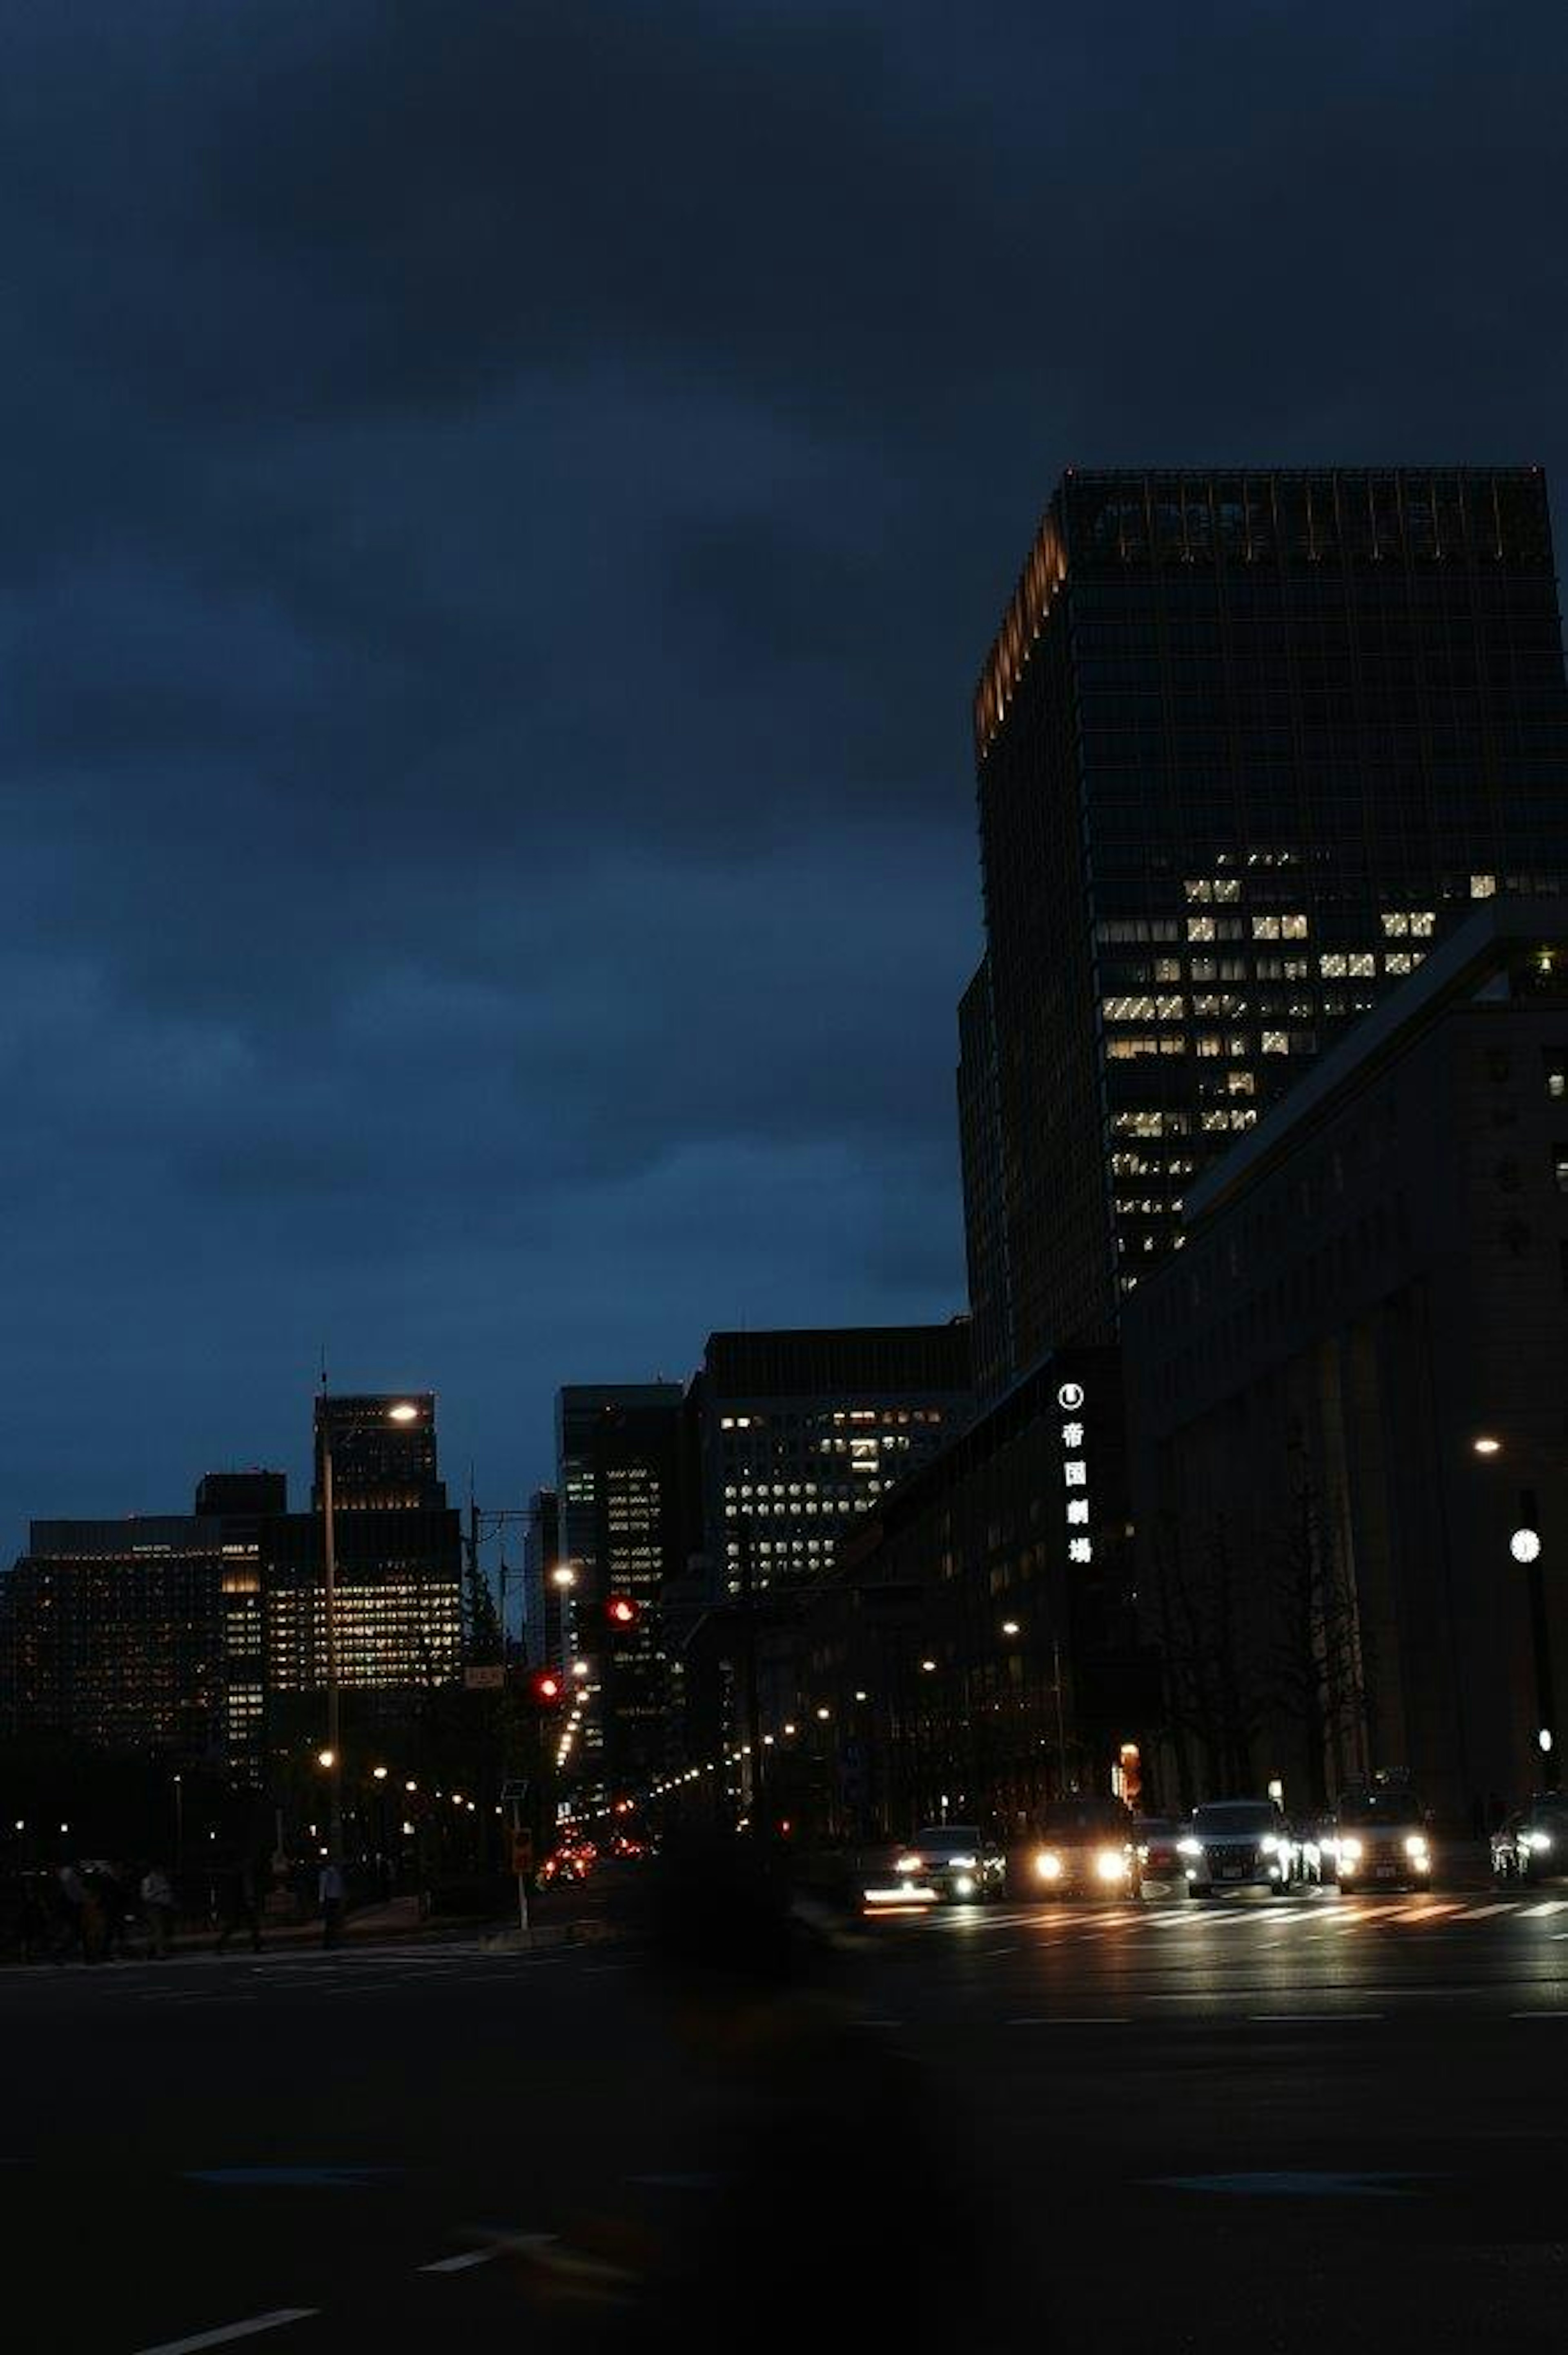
545	1687
622	1611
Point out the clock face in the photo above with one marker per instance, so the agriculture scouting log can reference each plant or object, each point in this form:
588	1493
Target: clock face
1071	1397
1525	1545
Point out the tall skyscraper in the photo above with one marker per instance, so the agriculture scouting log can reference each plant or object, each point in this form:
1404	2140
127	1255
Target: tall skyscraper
1246	743
399	1555
383	1452
627	1527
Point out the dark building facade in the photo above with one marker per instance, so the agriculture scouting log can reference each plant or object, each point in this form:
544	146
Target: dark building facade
544	1640
978	1652
627	1527
145	1635
799	1433
1348	1395
1248	743
383	1452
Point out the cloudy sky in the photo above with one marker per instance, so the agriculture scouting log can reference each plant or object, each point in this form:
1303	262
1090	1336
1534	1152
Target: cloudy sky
506	502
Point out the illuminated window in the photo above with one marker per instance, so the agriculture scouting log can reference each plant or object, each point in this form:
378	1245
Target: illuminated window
1199	928
1483	887
1293	927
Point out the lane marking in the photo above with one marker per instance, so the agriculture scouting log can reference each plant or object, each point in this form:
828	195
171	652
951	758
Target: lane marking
1076	2019
1294	2018
1480	1913
1552	1905
460	2264
252	2329
1542	2011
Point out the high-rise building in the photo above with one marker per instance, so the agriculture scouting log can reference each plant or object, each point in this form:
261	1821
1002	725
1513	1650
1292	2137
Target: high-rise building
145	1635
1347	1397
398	1548
542	1625
627	1528
801	1431
383	1452
1246	743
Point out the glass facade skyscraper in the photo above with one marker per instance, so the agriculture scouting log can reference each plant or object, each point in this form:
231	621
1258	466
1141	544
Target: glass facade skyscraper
1246	743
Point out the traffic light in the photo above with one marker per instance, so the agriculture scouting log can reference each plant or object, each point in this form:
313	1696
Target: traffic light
545	1687
622	1611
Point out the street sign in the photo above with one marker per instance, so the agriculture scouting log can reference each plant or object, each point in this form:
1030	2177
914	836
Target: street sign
485	1680
522	1852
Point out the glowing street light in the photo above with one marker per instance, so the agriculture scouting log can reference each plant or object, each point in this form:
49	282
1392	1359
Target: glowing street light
1486	1446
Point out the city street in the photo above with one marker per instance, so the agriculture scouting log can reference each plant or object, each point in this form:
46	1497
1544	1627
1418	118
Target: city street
1317	2121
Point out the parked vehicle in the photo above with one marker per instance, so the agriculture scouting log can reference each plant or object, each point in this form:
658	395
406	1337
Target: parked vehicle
1086	1844
1533	1844
1237	1844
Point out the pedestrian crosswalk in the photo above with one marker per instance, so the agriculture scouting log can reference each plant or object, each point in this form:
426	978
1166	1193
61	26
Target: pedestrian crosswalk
1324	1912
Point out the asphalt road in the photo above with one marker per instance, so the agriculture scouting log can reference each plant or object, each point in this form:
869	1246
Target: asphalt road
1318	2122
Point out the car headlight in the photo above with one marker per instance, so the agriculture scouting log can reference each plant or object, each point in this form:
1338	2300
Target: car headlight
962	1863
1189	1848
1110	1863
1538	1840
1270	1843
1415	1849
910	1864
1350	1852
964	1885
1047	1866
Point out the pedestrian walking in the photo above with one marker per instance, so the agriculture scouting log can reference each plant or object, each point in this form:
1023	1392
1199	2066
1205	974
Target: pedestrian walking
158	1909
72	1898
329	1890
241	1908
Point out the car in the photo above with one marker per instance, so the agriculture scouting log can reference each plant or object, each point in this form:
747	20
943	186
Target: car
951	1864
1533	1843
1086	1845
1158	1841
1382	1838
1237	1844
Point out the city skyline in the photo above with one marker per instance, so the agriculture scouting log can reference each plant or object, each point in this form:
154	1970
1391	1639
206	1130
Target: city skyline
357	1037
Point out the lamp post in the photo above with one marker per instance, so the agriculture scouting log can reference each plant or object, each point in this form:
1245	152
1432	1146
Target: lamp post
1524	1545
331	1756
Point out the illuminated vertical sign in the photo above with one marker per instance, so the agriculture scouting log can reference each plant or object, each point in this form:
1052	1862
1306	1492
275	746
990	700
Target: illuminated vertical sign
1076	1472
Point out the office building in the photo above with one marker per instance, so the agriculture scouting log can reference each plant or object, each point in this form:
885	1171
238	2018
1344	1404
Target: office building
383	1453
1247	743
145	1635
798	1432
1347	1393
627	1528
544	1640
977	1652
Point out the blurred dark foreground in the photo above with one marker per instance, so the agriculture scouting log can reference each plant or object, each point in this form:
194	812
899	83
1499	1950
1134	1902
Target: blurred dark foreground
822	2197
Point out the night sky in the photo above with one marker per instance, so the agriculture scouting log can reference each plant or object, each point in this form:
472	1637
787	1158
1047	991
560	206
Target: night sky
506	506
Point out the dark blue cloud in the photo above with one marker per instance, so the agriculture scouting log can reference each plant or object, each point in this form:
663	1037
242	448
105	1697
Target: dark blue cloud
504	508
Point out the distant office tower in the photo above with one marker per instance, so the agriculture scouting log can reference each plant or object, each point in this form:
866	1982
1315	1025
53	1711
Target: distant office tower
383	1452
626	1530
142	1634
800	1432
398	1550
1247	744
543	1638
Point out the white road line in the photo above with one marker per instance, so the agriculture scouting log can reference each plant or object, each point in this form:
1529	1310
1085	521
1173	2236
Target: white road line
1295	2018
1480	1913
1552	1905
1540	2012
1076	2019
460	2265
251	2329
